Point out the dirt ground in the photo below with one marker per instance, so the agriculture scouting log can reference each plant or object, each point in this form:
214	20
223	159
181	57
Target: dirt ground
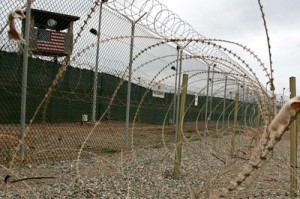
51	144
62	141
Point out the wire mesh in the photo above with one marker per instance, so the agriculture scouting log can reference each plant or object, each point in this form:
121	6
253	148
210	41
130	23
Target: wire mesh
59	125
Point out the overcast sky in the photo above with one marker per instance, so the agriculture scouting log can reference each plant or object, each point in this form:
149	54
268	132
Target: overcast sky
241	21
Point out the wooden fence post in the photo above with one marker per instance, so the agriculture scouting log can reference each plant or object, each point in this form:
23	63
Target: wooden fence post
293	144
178	151
236	107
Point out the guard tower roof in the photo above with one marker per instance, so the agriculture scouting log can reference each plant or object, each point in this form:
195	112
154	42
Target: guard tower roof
41	18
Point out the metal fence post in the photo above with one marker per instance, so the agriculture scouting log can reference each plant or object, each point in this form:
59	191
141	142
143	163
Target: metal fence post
206	102
246	106
211	92
24	82
179	92
224	103
129	77
176	92
179	81
95	85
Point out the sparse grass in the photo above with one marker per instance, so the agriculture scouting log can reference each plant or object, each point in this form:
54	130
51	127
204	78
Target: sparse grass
108	150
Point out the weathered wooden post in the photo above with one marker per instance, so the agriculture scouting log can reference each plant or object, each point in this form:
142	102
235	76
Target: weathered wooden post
236	106
293	143
178	150
257	119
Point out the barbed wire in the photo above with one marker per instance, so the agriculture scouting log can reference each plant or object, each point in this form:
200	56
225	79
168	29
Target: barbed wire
60	90
165	23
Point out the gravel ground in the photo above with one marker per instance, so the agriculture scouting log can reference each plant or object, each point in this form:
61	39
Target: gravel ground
147	173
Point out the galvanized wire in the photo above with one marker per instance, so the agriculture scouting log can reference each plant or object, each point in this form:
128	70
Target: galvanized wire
60	88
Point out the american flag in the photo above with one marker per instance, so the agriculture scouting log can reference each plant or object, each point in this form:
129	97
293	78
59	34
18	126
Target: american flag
50	41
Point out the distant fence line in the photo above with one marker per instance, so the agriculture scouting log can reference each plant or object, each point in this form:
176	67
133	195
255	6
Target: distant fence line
73	98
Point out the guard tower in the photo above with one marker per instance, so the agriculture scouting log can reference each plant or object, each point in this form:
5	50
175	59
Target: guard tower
51	34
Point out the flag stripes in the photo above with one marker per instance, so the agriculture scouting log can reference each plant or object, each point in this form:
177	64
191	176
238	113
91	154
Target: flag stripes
50	41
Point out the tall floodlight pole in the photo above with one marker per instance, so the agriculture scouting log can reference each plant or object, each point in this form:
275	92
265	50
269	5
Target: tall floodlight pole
211	92
95	85
24	82
129	75
176	76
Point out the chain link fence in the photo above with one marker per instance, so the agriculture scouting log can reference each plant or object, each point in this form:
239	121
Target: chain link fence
81	56
60	104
